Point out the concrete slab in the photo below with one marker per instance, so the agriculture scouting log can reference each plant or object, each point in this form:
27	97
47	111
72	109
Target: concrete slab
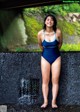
3	108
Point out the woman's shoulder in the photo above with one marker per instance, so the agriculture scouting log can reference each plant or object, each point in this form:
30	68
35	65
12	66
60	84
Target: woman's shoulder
40	33
58	32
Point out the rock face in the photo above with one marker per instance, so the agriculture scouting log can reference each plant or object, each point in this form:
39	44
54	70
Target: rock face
73	17
13	32
17	34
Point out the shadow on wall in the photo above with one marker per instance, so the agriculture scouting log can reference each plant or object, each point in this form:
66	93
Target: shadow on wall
12	30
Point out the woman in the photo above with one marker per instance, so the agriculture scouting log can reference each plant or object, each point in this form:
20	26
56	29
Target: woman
50	41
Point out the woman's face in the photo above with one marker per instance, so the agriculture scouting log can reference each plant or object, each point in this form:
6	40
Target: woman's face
49	21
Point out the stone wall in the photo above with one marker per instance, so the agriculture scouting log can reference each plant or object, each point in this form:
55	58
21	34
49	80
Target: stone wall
14	66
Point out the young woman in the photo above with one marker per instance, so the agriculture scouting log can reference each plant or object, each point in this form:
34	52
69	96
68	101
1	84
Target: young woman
50	41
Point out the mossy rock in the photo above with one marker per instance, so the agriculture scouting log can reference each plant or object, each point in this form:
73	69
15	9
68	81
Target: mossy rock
66	27
33	26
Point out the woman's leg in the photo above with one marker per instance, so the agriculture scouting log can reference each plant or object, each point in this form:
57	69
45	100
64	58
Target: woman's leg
55	68
45	68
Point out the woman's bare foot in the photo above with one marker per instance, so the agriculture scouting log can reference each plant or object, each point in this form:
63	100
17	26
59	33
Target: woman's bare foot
54	105
44	105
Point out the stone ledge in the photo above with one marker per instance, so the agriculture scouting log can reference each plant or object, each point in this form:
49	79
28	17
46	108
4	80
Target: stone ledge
36	108
3	108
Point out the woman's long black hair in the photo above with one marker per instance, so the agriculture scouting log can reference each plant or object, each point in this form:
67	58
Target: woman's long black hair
54	19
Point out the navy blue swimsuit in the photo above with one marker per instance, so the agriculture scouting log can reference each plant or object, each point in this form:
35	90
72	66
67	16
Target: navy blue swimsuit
50	50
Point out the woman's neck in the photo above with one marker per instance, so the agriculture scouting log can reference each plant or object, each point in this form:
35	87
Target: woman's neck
49	30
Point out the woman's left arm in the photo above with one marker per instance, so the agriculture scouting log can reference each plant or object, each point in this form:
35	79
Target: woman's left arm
60	38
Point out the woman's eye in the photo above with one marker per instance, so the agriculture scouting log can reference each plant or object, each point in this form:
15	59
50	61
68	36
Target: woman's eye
47	19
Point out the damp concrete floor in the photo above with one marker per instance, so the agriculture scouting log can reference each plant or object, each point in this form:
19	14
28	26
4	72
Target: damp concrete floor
36	108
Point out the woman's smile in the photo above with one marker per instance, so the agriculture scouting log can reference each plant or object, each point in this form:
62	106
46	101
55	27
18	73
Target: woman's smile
49	22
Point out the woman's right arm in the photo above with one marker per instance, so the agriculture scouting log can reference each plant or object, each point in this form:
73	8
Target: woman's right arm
40	40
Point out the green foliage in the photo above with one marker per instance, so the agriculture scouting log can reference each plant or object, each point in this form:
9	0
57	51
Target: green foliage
57	10
19	49
77	29
70	47
29	11
74	8
66	27
62	9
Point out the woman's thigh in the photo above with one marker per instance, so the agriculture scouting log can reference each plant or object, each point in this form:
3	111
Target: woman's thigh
45	68
55	69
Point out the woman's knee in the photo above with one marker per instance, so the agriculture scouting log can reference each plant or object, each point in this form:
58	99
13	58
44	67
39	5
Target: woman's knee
55	81
45	81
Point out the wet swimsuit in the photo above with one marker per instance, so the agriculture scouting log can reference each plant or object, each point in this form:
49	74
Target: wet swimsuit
50	49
